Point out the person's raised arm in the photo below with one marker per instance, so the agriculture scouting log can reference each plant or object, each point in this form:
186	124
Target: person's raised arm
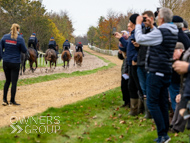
153	38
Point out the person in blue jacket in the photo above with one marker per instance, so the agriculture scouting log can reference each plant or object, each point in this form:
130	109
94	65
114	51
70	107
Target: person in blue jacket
11	46
66	46
33	41
52	45
133	84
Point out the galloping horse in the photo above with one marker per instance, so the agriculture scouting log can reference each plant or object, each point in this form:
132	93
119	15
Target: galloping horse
78	56
66	56
33	58
51	57
24	57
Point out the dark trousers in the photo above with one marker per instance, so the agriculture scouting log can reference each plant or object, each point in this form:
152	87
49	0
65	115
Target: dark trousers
33	44
133	83
157	101
125	91
11	71
178	122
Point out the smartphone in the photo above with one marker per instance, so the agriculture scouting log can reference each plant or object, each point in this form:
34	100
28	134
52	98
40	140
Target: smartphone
133	40
144	19
114	30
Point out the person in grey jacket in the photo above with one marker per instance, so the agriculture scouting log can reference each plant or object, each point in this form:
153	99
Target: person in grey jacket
161	43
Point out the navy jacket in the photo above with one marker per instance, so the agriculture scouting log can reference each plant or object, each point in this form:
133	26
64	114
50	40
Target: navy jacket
183	38
33	39
158	57
10	49
52	43
129	48
66	44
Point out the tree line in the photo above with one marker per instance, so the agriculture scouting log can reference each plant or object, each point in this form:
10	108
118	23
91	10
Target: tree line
33	17
101	35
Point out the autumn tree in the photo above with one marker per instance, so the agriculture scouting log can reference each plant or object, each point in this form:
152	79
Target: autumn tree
91	34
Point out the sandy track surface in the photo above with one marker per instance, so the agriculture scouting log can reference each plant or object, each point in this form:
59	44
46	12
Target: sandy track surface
38	97
90	62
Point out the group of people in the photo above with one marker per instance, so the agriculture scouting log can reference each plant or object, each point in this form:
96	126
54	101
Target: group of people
156	69
11	46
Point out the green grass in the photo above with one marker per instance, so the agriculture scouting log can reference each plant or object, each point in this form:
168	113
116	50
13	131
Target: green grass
97	119
39	79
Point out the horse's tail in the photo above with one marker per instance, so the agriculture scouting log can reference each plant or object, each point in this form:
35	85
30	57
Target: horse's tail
49	56
65	56
78	57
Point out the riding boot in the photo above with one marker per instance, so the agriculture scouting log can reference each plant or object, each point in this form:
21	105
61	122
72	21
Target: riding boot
140	106
4	98
147	113
133	107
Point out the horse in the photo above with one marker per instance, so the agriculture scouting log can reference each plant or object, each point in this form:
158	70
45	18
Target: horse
66	56
33	58
51	57
24	57
78	58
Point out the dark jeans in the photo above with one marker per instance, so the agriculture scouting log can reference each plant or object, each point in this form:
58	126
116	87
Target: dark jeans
133	83
125	91
157	101
141	72
11	71
174	91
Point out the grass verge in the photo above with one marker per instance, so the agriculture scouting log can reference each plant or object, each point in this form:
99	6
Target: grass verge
96	119
39	79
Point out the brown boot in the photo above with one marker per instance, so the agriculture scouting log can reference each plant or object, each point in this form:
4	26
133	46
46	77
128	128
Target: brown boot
147	113
140	106
133	107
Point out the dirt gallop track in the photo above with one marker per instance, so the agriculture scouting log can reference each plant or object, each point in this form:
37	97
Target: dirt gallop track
38	97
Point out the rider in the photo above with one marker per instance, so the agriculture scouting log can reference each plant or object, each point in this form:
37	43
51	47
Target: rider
66	44
79	47
33	41
52	45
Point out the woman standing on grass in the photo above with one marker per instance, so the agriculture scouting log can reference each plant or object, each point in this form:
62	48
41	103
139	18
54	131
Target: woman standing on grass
11	46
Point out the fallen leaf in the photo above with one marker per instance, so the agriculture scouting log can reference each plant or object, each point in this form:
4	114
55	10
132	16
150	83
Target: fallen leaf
176	135
121	136
94	117
122	122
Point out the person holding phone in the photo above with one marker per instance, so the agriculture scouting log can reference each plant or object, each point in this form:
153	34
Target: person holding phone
133	85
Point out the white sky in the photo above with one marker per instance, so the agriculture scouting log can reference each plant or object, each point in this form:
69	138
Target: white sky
85	13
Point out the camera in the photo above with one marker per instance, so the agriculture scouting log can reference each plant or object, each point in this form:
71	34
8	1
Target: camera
144	19
114	30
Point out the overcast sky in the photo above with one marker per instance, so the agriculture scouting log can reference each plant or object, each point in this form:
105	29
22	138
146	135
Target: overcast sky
85	13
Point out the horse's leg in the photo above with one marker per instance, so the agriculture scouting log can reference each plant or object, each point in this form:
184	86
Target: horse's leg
46	66
68	63
36	64
64	64
21	69
55	64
